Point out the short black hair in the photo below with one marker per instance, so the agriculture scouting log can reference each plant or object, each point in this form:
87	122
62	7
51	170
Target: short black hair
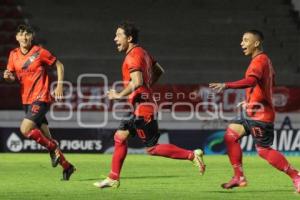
24	27
130	30
257	33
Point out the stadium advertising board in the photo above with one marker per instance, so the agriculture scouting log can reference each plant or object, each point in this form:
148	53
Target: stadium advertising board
101	141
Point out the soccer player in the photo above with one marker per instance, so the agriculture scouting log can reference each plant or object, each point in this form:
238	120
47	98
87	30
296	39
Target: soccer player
28	64
258	113
140	71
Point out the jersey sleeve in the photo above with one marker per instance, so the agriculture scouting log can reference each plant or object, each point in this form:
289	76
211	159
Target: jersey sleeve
134	63
47	58
256	69
10	63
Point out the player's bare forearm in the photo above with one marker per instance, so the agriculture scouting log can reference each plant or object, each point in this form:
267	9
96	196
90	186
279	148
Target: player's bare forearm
60	72
113	94
128	90
136	82
157	72
60	78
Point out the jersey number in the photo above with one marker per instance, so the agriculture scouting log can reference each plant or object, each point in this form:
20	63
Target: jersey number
257	131
141	134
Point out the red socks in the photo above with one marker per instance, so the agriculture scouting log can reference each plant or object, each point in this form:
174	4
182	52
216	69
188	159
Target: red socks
277	160
118	157
37	136
62	160
171	151
234	151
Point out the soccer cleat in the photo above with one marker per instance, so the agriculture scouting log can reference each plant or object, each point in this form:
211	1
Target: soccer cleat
296	182
235	182
54	155
108	182
198	160
68	172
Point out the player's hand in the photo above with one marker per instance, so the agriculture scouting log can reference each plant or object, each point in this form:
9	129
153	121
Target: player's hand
241	104
59	93
218	87
113	94
7	75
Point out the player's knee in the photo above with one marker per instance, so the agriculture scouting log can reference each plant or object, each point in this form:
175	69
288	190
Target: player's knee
263	152
231	135
120	138
151	150
25	129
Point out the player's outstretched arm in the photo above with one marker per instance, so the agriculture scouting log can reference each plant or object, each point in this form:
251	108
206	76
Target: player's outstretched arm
9	76
136	82
250	81
58	93
157	72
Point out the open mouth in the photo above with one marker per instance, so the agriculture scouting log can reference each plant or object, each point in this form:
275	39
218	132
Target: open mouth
244	50
118	45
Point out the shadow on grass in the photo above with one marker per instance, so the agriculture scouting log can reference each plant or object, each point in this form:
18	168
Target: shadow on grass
149	177
131	177
247	191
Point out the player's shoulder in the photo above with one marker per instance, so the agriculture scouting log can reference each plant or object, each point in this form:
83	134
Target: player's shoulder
138	50
36	48
261	59
14	51
135	53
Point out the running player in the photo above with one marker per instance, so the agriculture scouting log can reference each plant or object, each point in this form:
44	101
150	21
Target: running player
28	64
258	116
140	72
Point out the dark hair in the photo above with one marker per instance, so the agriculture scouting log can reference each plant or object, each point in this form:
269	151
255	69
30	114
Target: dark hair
25	27
257	33
130	30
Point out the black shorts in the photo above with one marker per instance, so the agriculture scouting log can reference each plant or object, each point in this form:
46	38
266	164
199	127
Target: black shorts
262	132
147	131
36	112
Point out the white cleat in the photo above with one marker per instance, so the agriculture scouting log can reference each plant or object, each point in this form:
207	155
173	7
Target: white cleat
198	160
108	182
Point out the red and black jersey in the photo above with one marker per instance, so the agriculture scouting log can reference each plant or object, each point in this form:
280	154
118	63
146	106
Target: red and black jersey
261	68
138	59
31	72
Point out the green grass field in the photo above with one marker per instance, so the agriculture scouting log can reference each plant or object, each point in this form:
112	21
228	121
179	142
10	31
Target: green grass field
30	176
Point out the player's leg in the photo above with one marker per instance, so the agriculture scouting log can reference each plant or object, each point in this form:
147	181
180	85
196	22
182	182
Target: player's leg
57	157
120	151
233	133
53	154
29	129
29	126
175	152
118	158
147	131
264	136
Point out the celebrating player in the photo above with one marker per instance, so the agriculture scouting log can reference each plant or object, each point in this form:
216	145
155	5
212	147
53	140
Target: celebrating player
28	64
258	113
140	72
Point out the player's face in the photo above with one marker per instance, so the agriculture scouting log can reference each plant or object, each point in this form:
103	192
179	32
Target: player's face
121	40
249	44
25	39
